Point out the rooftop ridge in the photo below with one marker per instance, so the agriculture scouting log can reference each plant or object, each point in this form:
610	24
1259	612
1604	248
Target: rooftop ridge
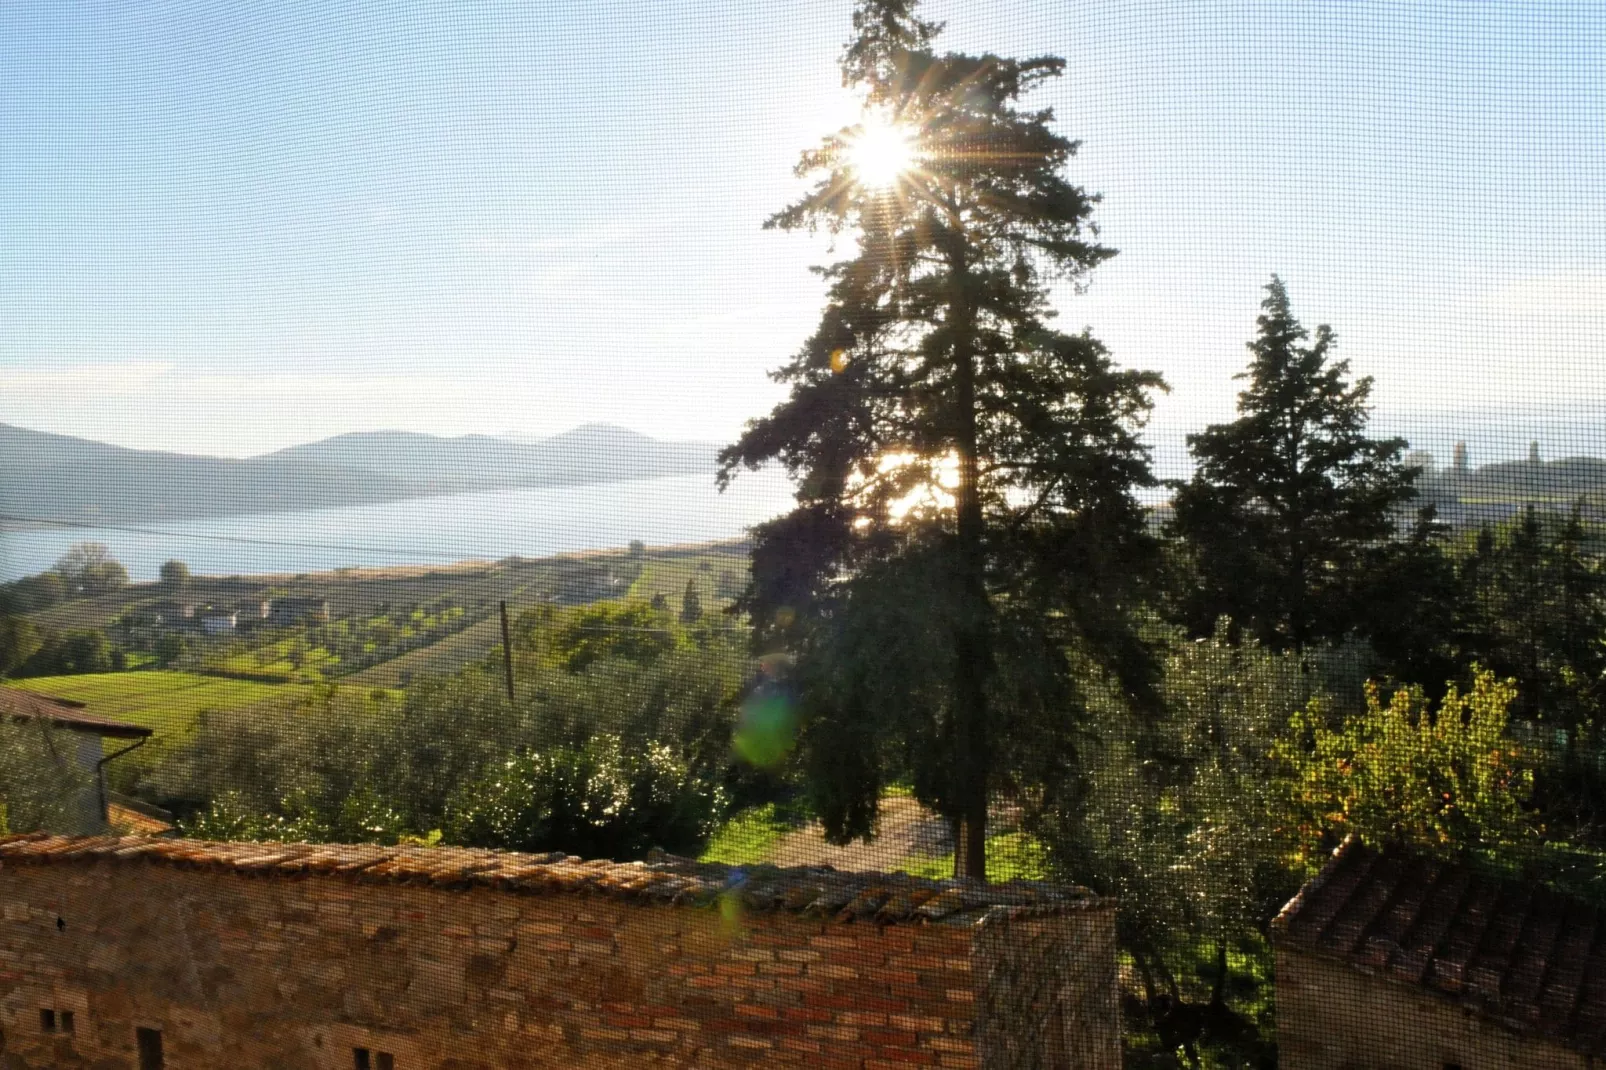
883	898
1508	952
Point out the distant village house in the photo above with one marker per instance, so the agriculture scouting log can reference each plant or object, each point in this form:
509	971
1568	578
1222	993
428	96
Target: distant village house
286	612
167	613
253	611
217	622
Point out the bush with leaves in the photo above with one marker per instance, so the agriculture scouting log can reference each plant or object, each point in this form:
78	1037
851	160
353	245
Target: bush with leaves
82	650
1446	781
41	786
641	738
596	800
1177	819
362	817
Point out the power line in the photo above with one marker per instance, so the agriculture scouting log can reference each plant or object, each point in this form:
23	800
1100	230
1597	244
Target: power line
248	540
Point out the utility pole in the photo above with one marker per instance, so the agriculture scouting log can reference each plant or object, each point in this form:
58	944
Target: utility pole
507	653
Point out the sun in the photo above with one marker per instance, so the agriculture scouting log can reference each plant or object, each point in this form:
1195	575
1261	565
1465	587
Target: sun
881	152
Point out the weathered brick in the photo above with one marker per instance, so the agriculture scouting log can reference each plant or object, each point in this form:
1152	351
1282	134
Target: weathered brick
429	971
861	1018
790	955
821	969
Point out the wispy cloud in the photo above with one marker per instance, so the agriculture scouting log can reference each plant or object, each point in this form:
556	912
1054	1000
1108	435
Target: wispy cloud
1565	293
114	377
516	240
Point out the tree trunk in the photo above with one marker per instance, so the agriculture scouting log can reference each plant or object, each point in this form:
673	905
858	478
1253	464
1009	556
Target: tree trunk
972	646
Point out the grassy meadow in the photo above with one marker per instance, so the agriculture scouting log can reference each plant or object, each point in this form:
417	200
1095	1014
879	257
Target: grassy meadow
166	701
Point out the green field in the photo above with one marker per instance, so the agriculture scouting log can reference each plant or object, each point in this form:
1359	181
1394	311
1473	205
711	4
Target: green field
446	656
716	577
165	701
446	615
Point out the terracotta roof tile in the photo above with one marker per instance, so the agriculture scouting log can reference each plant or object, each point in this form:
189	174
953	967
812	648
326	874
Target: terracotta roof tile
65	714
845	897
1515	952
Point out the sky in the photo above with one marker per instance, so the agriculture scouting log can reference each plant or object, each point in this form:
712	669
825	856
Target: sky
227	229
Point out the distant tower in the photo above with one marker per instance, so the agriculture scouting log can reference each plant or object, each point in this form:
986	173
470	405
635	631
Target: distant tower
1533	453
1459	464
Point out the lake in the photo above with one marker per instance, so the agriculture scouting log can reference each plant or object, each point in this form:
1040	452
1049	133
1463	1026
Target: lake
526	521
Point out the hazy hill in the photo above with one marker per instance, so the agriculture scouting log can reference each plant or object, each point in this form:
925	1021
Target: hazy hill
595	453
1497	492
65	478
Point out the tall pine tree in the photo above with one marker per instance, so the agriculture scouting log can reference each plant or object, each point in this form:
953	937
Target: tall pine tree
965	514
1286	500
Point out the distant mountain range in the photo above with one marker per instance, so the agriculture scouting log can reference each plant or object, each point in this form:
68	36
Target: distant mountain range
73	479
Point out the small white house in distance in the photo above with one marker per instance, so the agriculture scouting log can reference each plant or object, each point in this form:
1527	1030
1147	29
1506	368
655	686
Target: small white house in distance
254	611
220	623
86	735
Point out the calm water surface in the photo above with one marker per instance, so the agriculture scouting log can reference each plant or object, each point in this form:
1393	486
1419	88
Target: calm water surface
528	521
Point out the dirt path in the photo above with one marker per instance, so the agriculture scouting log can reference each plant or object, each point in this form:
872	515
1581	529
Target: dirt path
907	830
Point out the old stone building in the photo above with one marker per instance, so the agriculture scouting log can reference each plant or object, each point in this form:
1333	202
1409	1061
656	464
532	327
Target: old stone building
141	953
1389	961
83	743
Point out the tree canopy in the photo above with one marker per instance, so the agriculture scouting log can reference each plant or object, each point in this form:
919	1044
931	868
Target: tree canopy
965	471
174	574
1287	500
88	568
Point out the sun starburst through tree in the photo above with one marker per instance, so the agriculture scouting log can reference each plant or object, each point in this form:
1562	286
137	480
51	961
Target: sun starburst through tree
965	520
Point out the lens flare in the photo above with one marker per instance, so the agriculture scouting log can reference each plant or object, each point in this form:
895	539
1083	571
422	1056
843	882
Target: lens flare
766	729
881	152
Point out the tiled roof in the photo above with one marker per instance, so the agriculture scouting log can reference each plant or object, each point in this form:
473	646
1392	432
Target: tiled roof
65	714
1515	952
822	892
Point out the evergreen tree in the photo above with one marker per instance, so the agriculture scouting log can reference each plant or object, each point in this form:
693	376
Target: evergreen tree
691	604
1414	609
1286	500
965	511
1535	591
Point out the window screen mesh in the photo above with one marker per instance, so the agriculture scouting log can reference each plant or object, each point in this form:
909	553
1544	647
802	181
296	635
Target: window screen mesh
857	534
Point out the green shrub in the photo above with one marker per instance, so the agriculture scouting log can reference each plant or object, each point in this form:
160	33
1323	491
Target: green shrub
596	800
1444	781
40	785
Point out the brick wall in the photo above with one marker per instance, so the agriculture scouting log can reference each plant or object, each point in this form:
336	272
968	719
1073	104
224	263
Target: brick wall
1331	1016
274	956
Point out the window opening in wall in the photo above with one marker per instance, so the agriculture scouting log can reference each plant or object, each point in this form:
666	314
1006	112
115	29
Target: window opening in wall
385	1061
67	1022
47	1019
149	1042
361	1060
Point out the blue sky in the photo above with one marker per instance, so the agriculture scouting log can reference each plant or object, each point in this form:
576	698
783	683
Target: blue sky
230	228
